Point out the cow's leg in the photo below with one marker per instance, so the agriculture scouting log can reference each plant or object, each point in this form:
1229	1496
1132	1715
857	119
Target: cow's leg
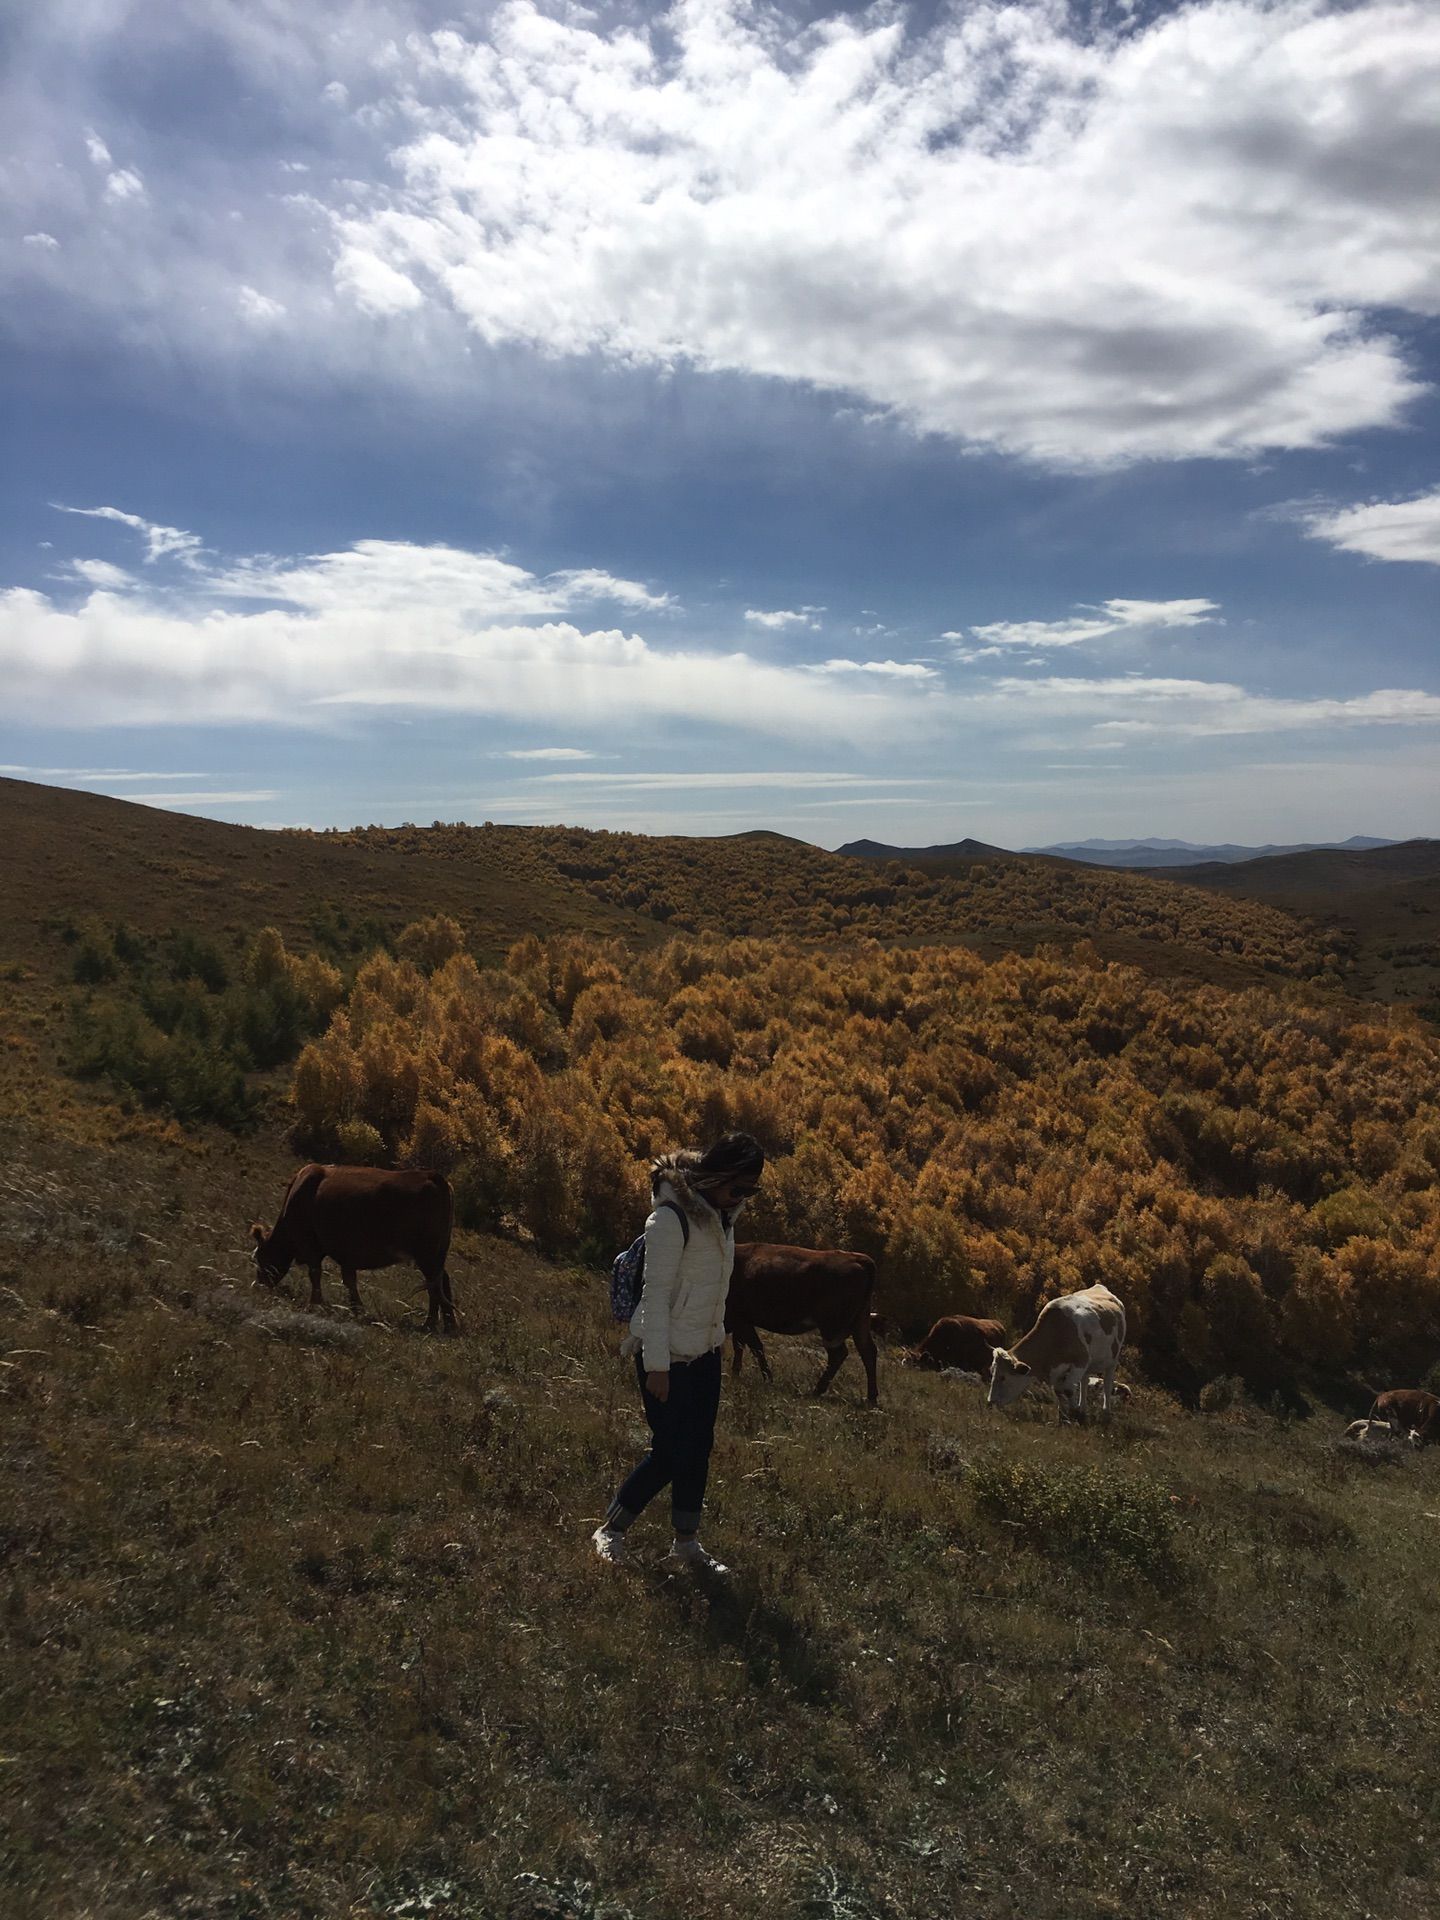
352	1288
1107	1389
865	1346
317	1298
447	1303
433	1284
1069	1386
741	1337
832	1367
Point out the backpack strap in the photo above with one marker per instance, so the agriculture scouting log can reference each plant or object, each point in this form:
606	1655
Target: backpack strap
680	1215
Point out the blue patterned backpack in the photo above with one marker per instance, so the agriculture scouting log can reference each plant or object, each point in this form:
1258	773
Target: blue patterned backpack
627	1274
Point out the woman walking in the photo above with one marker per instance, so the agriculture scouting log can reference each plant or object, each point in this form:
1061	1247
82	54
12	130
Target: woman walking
677	1333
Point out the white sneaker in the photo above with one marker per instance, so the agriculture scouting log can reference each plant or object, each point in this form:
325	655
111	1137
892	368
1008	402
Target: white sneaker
691	1554
609	1544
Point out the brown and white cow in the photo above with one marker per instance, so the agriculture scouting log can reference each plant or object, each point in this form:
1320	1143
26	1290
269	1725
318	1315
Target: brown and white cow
1078	1335
1410	1410
958	1341
362	1218
803	1290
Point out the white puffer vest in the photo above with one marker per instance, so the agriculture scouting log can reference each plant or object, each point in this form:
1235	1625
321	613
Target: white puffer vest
682	1309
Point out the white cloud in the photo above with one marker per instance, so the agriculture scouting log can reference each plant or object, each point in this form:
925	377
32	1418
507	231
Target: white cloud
46	242
1134	705
100	573
1386	530
885	669
1098	623
205	797
776	622
1161	240
259	306
1204	232
397	576
699	782
373	284
90	775
160	542
385	624
593	583
124	184
394	627
546	753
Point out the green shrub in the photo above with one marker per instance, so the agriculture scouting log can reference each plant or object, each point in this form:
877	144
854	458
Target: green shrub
1089	1515
1221	1392
360	1143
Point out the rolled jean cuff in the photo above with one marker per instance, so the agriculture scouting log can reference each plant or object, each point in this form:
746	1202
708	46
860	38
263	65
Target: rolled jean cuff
685	1522
619	1518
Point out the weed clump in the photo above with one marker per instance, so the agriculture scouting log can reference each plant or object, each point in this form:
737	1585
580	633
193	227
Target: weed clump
1095	1518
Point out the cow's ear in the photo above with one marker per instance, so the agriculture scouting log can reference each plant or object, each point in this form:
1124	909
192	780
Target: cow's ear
257	1233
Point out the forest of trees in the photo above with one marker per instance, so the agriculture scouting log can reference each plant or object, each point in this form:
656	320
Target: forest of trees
1256	1173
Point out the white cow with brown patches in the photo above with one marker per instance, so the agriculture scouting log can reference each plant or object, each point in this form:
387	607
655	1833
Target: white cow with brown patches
1078	1335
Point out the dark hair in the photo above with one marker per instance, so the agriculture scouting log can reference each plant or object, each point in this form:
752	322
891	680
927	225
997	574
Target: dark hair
734	1156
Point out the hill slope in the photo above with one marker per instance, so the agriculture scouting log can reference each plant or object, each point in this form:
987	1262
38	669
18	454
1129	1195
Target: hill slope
1383	904
301	1618
304	1620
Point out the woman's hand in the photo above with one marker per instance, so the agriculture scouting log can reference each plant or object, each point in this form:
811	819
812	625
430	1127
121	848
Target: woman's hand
658	1384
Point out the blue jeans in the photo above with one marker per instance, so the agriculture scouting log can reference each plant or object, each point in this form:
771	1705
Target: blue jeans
682	1432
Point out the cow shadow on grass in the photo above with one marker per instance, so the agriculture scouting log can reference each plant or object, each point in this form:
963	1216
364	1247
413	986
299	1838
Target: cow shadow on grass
777	1644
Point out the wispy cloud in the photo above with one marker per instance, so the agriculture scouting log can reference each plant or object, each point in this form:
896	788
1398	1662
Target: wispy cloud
160	542
102	574
1385	529
914	670
93	775
1095	623
546	753
1134	705
206	797
698	782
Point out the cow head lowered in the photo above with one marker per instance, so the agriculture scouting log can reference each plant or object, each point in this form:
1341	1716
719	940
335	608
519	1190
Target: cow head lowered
273	1260
1009	1378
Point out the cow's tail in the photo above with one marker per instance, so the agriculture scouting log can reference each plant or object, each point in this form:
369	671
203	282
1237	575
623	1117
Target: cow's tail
867	1267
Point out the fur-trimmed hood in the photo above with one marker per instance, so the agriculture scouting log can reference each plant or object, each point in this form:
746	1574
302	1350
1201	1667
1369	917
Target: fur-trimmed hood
676	1171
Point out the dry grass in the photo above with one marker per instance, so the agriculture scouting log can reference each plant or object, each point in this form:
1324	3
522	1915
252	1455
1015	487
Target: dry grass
303	1629
300	1623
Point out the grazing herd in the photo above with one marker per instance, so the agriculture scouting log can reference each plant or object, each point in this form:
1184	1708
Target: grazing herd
364	1218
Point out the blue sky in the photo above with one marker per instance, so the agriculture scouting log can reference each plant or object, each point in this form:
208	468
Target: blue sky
1018	422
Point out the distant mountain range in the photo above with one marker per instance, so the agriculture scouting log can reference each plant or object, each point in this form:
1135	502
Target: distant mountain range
1186	853
1114	853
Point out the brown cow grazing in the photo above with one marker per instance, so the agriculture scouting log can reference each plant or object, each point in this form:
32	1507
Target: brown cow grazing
1077	1335
1410	1410
362	1218
803	1290
958	1341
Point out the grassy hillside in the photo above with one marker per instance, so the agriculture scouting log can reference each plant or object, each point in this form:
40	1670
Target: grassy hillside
1381	906
766	885
313	1629
300	1616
